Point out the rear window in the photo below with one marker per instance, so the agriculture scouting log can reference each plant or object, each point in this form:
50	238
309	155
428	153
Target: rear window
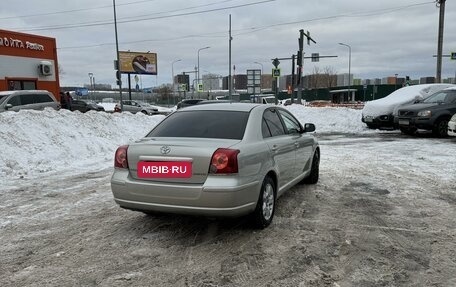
203	124
43	98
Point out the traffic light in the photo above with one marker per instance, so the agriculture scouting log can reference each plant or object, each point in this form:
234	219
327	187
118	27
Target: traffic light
299	58
118	78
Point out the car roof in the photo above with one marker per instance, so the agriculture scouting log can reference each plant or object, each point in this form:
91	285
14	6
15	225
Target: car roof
233	106
2	93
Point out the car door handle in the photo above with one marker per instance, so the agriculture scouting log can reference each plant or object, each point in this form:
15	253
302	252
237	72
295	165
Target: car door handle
274	148
296	144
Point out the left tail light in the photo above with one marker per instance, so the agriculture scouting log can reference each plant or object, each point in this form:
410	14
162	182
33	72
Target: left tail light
224	161
120	159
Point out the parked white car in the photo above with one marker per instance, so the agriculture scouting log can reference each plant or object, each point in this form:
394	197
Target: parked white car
452	126
380	113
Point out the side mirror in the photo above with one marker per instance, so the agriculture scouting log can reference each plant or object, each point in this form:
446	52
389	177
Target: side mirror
418	99
309	128
8	106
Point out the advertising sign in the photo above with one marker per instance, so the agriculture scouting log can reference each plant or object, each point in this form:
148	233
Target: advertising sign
81	92
138	63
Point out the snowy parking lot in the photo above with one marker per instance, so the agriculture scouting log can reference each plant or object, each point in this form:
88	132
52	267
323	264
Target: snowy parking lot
382	214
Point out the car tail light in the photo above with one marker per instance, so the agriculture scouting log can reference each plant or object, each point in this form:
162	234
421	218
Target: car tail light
120	159
224	161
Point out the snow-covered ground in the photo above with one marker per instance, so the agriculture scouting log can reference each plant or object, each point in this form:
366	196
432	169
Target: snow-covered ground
382	212
38	143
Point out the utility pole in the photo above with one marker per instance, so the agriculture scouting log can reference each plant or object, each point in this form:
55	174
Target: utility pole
299	59
230	85
293	57
441	4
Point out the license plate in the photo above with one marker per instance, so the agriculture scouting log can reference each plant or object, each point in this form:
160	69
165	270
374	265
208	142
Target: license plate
164	169
368	119
404	122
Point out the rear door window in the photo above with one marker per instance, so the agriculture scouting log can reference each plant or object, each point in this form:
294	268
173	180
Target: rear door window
203	124
27	99
272	123
42	98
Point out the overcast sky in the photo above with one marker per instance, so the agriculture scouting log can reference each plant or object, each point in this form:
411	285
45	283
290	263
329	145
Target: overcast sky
386	37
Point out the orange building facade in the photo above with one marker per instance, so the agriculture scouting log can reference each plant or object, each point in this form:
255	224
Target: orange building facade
28	62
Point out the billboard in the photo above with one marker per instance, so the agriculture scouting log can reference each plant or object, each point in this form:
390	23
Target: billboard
81	92
138	63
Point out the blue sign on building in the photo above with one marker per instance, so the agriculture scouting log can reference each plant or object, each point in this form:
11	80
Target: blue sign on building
81	92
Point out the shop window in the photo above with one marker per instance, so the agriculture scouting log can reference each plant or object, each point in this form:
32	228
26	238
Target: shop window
21	85
28	85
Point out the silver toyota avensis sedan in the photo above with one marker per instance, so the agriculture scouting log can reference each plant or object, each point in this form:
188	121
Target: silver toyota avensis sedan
227	159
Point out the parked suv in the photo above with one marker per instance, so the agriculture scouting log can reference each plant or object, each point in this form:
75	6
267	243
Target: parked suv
432	113
27	99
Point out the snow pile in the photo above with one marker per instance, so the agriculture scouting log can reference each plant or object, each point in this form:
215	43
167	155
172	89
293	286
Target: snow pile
34	143
37	142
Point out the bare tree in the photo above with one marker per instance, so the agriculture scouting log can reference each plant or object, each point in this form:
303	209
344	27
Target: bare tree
330	76
315	78
164	92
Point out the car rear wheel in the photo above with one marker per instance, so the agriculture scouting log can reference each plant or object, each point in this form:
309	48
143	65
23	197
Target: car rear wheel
440	128
145	112
315	170
264	211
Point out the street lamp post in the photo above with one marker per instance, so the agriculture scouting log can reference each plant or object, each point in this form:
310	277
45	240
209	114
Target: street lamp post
395	82
198	72
91	85
172	75
349	68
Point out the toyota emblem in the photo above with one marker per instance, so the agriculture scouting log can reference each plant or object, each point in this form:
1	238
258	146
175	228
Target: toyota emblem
165	149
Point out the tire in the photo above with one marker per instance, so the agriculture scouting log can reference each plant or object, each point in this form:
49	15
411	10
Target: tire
408	131
145	112
440	128
314	175
264	211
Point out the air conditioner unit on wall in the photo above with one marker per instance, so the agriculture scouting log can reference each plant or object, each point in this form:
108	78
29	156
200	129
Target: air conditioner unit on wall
45	68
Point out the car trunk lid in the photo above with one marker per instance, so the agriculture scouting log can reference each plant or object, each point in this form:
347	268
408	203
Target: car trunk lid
178	152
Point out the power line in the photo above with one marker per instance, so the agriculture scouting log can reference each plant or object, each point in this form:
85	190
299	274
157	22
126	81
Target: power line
260	28
110	7
109	22
74	10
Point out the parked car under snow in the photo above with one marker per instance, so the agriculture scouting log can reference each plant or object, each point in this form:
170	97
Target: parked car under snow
380	113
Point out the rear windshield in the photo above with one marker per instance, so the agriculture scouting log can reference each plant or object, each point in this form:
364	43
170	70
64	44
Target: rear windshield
203	124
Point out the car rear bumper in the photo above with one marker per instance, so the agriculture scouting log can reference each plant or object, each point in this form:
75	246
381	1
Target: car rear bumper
219	196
